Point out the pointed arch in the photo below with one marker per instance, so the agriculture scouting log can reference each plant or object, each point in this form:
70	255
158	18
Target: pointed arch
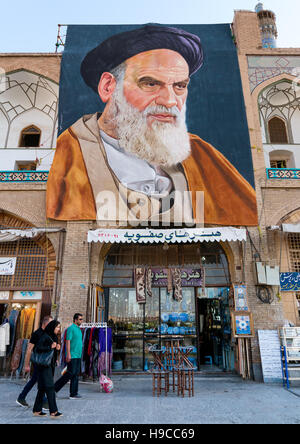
277	130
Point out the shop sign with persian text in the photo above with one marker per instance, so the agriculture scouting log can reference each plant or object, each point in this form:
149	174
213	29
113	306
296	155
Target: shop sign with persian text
7	266
190	277
290	281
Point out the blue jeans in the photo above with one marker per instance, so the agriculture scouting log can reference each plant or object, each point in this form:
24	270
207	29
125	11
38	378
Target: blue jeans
72	374
30	384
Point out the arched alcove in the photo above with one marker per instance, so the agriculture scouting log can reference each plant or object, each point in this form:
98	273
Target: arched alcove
278	104
282	159
28	99
277	130
30	137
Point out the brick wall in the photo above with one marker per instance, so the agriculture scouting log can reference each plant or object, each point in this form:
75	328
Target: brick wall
75	272
275	198
47	65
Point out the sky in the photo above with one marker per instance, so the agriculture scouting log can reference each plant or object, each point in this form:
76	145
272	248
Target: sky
31	25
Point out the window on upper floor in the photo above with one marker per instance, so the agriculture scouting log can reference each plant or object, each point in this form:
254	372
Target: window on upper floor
30	137
277	131
278	163
281	159
25	166
294	250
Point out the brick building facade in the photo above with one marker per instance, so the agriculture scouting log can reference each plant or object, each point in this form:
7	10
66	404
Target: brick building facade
79	264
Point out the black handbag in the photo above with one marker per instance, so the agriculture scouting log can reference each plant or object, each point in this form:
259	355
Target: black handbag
43	359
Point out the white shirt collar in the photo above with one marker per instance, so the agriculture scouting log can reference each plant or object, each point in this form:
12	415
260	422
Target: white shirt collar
134	173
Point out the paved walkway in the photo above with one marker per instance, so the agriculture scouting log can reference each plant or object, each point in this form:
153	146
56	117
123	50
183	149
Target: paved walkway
217	401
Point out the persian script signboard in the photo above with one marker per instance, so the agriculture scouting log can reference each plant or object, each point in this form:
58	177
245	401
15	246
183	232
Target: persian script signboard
270	355
290	281
190	277
7	266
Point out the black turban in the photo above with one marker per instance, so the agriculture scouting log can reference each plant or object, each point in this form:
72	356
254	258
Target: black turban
120	47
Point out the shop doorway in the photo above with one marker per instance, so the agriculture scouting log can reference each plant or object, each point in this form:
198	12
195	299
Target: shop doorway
215	346
201	319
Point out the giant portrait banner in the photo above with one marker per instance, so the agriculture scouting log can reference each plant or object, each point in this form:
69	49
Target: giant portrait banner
152	123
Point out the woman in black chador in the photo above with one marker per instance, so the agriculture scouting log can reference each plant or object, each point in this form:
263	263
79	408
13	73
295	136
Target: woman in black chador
47	343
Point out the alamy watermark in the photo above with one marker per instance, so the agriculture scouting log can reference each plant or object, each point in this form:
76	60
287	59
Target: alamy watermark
136	209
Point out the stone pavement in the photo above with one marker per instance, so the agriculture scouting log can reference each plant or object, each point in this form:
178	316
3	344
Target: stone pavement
218	400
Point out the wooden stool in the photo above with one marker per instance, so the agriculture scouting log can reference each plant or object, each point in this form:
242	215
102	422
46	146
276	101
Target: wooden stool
186	379
159	376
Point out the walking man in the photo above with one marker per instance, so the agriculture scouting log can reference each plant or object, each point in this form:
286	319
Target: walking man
35	337
73	358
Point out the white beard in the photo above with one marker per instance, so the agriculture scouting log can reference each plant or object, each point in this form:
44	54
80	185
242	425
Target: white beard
160	144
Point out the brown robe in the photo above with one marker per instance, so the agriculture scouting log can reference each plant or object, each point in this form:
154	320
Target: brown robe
229	200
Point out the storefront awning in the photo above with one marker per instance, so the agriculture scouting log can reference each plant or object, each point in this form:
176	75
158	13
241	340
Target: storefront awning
12	235
189	235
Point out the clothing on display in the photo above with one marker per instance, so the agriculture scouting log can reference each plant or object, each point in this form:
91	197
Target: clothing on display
3	316
93	361
22	360
170	280
27	317
17	354
143	283
13	319
63	352
176	277
140	284
4	338
20	324
149	282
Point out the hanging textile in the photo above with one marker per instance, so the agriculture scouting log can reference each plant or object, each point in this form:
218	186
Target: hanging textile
102	351
17	354
94	357
22	360
148	278
170	280
83	351
4	338
140	285
27	317
176	275
62	359
13	319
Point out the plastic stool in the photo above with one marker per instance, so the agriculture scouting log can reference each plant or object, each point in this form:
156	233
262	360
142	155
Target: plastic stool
208	360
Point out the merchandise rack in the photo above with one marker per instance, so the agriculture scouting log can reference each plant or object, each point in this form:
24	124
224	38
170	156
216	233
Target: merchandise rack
99	325
290	353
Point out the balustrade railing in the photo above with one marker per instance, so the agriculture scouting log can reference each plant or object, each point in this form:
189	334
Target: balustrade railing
283	173
24	176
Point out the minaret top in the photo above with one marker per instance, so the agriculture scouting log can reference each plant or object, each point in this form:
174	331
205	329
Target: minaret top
267	24
259	7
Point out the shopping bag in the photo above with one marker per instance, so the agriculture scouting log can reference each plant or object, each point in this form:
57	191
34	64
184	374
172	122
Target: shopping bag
106	384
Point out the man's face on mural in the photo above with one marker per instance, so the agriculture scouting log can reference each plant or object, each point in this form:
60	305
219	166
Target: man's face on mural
158	77
147	106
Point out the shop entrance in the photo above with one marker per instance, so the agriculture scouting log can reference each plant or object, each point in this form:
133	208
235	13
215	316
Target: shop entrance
201	319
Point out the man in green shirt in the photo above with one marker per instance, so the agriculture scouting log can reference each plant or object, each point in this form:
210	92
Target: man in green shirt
73	358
